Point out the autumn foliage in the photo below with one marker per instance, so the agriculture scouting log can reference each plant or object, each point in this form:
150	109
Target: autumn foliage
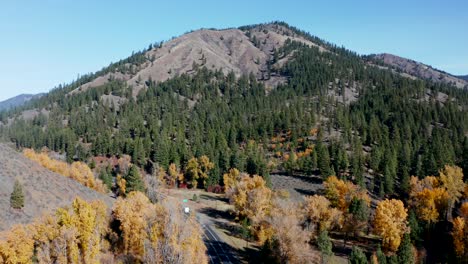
390	223
428	198
18	246
84	233
319	215
154	233
72	235
77	171
341	193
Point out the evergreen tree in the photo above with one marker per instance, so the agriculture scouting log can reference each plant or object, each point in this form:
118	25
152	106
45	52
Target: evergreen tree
415	228
405	251
381	258
325	246
138	153
357	256
134	181
106	177
323	160
17	196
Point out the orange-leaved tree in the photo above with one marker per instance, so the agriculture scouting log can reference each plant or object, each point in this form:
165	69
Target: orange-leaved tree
390	222
319	215
341	193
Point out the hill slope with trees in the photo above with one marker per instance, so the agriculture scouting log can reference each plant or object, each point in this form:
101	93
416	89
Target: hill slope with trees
304	107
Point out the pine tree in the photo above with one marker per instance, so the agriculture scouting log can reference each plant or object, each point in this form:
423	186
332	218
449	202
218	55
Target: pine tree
357	256
134	181
106	177
382	259
17	196
325	245
415	229
405	252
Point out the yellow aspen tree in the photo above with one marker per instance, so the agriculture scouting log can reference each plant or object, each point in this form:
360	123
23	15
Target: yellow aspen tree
390	222
251	197
192	171
231	178
122	184
18	247
451	178
340	193
464	210
131	214
460	236
319	215
205	167
428	198
78	171
175	174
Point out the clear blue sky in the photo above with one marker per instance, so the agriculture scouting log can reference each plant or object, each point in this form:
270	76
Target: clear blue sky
47	42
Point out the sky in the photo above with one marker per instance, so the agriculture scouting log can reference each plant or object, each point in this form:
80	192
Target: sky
50	42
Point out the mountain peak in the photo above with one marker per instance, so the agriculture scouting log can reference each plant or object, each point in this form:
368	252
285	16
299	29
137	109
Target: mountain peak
243	51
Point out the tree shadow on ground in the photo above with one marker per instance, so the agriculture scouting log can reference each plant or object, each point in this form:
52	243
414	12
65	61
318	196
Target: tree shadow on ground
311	179
222	252
304	191
231	229
215	213
211	198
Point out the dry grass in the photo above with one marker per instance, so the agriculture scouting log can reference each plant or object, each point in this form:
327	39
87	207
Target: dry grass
44	190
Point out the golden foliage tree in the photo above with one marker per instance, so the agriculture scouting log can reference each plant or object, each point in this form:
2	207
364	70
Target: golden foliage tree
131	213
78	171
390	222
319	215
231	178
251	197
427	198
198	169
72	235
460	236
155	233
288	241
451	178
18	247
340	193
175	174
173	238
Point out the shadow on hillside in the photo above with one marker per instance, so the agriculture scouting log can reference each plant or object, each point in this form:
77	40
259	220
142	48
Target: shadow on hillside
309	179
216	214
231	229
213	198
305	191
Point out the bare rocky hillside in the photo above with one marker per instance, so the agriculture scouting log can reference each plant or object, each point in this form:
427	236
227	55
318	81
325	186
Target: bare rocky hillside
420	70
43	189
229	50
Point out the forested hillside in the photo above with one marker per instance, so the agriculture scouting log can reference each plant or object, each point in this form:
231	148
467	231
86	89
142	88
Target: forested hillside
328	113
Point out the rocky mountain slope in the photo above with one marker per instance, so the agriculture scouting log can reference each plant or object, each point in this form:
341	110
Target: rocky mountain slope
241	51
17	101
43	189
419	70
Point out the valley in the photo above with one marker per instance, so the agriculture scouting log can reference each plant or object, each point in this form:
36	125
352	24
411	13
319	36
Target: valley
285	148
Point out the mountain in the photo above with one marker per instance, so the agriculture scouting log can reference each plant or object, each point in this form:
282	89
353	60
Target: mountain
18	101
43	189
264	99
241	51
463	77
419	70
